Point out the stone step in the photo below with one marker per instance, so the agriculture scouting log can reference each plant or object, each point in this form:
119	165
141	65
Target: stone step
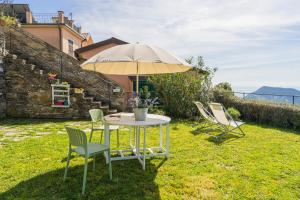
11	56
97	102
38	71
112	111
21	61
84	96
105	107
31	66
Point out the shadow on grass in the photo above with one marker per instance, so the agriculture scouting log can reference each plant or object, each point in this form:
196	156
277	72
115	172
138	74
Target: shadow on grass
221	139
216	135
129	182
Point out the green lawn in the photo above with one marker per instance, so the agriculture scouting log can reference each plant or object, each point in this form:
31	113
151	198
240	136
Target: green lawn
265	164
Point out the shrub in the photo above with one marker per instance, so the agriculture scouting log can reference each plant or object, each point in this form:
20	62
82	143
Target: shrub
177	91
222	91
280	115
234	113
7	20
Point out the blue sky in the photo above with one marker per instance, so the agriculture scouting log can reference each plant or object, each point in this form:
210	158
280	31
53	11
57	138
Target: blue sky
251	42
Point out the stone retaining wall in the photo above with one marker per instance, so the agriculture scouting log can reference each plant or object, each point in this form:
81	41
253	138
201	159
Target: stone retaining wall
49	58
28	93
2	91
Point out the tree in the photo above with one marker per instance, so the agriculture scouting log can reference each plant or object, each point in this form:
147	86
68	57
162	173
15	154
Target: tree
7	17
226	86
178	91
4	4
222	92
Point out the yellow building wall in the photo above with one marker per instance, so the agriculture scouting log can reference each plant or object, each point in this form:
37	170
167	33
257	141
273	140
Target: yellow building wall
50	34
47	34
88	54
67	35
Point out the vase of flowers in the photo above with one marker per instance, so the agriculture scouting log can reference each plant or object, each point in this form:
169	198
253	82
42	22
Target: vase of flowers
52	77
141	104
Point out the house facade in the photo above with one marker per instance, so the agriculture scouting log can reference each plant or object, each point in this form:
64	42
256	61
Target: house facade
87	52
54	28
62	33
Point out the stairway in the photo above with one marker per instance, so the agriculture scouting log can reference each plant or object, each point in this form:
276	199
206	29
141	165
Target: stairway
40	57
24	79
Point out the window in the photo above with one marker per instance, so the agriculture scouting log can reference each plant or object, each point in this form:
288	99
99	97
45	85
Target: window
71	50
143	82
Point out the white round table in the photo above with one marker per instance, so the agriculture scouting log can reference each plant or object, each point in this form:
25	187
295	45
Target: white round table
127	119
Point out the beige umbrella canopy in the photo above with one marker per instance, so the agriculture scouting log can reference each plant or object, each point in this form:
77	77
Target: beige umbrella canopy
135	59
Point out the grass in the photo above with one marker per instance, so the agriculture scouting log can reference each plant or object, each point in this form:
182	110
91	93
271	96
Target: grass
264	164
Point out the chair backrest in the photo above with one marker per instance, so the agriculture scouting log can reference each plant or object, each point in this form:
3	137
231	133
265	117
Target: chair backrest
96	115
204	112
219	113
76	137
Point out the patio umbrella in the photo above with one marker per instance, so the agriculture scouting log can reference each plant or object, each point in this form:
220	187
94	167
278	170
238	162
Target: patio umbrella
135	59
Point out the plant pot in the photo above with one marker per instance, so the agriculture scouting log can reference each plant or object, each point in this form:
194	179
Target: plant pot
140	114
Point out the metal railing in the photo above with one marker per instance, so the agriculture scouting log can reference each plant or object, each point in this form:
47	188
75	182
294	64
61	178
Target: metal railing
277	98
52	18
44	18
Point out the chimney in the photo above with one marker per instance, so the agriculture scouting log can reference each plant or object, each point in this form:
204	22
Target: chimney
28	17
61	17
71	22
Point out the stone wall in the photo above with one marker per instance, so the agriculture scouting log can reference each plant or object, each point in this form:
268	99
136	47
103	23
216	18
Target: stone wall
49	58
28	93
2	90
2	81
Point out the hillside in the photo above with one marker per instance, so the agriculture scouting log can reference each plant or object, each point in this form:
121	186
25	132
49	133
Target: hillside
266	91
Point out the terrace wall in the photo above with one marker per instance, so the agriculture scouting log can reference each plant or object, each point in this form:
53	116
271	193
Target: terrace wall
28	93
2	90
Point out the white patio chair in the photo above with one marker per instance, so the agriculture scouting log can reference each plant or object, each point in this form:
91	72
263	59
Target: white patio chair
78	144
210	121
97	119
224	119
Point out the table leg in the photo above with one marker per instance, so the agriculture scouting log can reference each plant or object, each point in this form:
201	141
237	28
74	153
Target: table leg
106	140
167	139
160	137
133	128
137	141
130	144
144	150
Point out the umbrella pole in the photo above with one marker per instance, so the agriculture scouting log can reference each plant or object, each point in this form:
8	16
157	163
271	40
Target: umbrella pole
137	78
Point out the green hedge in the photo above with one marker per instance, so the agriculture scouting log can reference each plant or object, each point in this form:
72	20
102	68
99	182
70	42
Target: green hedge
280	115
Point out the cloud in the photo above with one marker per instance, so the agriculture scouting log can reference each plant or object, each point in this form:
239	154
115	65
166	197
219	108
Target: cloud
228	33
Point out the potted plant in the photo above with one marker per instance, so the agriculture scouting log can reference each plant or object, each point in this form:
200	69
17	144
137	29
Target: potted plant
141	104
52	77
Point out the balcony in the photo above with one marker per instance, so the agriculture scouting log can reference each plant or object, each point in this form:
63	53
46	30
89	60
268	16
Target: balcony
52	18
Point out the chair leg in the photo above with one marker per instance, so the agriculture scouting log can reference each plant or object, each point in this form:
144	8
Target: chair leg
84	175
91	133
118	137
241	130
101	136
109	165
68	162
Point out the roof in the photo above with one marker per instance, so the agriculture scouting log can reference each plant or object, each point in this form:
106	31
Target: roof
100	44
86	35
21	7
18	8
